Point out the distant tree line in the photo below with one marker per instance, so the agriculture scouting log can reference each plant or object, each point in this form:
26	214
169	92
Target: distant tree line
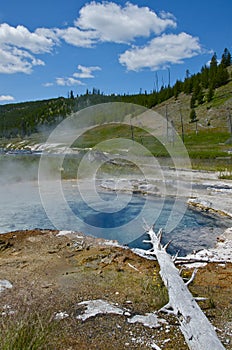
23	119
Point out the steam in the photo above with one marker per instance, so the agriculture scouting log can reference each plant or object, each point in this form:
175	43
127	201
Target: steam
30	182
15	170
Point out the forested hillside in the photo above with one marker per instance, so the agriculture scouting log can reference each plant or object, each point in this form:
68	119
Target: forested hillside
201	89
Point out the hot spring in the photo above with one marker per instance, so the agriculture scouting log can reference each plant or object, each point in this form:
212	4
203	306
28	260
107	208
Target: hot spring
21	209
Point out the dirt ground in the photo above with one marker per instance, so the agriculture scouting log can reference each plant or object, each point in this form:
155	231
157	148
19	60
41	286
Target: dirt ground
53	274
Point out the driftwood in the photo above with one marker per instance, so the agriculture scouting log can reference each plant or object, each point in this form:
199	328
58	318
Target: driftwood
191	260
198	331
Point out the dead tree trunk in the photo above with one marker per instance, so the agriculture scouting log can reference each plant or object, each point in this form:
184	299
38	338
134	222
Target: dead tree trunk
198	331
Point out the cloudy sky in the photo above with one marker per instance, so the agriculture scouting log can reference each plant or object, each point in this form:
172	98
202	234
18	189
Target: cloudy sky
48	48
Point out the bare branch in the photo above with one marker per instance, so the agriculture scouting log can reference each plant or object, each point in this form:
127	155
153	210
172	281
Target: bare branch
192	277
174	258
167	244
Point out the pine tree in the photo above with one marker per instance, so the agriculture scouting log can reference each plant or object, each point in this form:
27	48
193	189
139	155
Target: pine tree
213	62
193	119
205	77
188	86
213	71
187	74
193	101
193	115
71	95
226	60
197	93
200	96
196	87
210	94
177	88
222	75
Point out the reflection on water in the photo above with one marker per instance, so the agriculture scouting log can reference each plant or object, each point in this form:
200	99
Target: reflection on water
20	208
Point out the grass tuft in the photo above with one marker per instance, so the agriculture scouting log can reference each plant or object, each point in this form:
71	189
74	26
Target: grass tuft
26	331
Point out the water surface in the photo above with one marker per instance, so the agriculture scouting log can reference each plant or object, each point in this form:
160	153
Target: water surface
21	208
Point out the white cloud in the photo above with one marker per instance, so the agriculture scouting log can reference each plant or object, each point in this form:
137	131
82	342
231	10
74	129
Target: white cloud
77	37
13	60
68	82
48	84
48	33
161	52
111	22
19	47
85	72
99	22
167	15
21	37
6	98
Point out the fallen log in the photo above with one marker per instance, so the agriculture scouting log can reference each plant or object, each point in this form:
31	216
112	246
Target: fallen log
199	333
190	260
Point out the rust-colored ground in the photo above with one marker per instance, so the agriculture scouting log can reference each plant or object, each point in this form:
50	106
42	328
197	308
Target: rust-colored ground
53	274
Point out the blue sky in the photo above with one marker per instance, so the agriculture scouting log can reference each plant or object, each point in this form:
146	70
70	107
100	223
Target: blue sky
48	48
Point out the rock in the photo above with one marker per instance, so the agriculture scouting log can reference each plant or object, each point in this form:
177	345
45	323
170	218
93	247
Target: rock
228	234
149	320
201	203
61	315
4	284
96	307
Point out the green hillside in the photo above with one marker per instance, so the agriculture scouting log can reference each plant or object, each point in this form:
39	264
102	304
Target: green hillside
212	115
23	119
200	108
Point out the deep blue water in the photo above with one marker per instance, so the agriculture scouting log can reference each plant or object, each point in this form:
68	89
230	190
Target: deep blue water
21	208
194	231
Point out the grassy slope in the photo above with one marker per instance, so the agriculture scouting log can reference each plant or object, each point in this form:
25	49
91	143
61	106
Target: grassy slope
204	148
209	144
207	148
215	112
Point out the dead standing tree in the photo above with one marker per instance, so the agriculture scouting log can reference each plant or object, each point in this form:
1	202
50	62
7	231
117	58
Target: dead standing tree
198	331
